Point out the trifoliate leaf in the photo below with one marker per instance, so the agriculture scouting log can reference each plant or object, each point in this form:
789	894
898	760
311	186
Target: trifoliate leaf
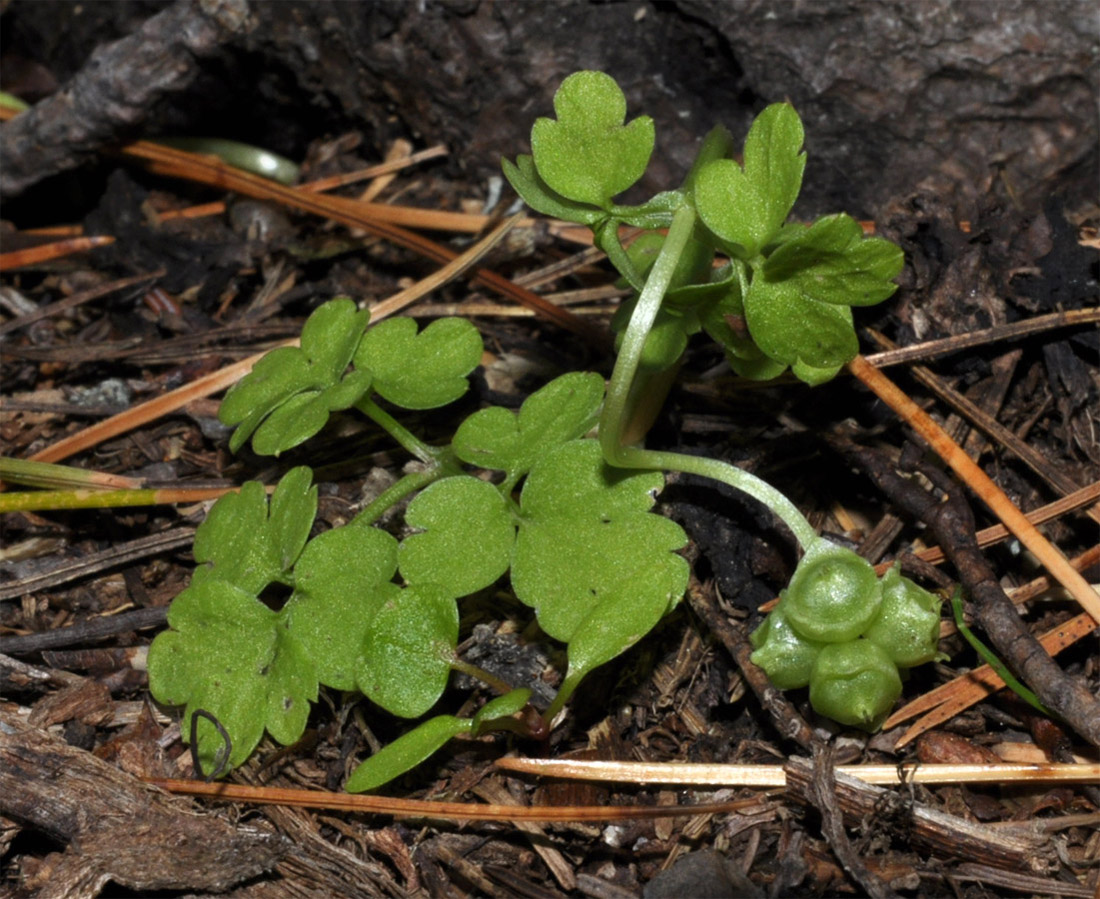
537	194
228	654
408	649
832	262
500	439
420	371
746	206
618	557
342	577
588	154
815	339
406	752
311	375
243	542
466	536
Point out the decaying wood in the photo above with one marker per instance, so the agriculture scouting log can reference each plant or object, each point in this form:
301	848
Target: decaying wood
115	90
117	828
946	836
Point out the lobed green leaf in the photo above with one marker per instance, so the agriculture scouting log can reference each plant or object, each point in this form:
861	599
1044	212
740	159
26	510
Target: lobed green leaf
308	377
466	536
420	371
832	262
815	339
408	649
745	206
621	561
588	154
502	440
537	194
227	653
341	580
244	542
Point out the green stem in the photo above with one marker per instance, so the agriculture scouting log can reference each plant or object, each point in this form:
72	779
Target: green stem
487	677
732	476
392	495
616	410
398	431
616	407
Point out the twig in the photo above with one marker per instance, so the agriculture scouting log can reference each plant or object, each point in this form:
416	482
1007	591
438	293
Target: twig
932	349
113	91
85	631
70	570
982	485
1050	473
952	523
824	797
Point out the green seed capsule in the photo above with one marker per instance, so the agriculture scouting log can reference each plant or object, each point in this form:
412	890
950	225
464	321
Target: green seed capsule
786	657
854	683
908	623
834	594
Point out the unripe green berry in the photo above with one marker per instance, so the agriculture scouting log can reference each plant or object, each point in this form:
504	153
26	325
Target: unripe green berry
786	658
907	626
834	594
854	683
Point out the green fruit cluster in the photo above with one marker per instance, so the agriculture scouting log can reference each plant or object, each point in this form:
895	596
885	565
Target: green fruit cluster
847	634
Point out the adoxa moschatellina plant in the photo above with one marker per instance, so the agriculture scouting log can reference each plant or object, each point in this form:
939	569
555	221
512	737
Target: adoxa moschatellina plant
565	516
719	255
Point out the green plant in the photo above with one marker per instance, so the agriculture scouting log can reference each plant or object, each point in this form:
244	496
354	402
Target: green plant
567	517
372	613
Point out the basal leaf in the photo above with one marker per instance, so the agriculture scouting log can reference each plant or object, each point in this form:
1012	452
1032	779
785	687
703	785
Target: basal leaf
832	262
243	542
314	369
745	206
406	752
466	536
588	154
408	648
620	556
815	339
342	577
226	653
500	439
420	371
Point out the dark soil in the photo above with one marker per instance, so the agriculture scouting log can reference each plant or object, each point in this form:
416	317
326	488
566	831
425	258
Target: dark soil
967	132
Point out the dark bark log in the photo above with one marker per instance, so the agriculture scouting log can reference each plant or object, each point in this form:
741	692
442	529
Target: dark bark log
114	91
117	828
893	93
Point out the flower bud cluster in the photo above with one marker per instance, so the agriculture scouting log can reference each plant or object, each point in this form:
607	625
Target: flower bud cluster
847	634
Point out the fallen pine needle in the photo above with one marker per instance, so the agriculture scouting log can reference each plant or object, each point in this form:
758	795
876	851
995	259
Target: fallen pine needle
721	775
49	251
420	808
978	481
